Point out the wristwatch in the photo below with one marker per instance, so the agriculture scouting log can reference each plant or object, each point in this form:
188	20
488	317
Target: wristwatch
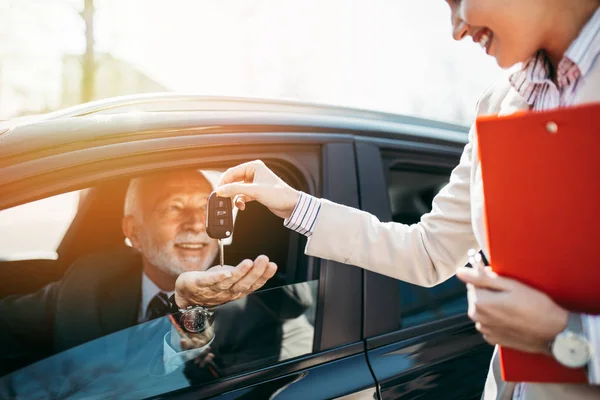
570	347
192	319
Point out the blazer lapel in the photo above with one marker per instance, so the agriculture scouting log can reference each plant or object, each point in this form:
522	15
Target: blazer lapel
512	103
121	299
589	90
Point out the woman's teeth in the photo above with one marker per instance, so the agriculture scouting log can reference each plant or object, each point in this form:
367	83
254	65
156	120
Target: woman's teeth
484	40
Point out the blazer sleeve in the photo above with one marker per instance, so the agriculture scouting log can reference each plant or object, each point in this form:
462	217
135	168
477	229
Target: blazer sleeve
591	326
27	326
425	253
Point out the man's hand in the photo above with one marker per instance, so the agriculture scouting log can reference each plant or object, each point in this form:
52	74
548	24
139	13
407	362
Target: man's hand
255	181
221	285
511	314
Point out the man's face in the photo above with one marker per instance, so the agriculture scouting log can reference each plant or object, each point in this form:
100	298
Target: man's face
172	234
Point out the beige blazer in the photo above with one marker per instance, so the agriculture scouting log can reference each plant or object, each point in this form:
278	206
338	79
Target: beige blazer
429	252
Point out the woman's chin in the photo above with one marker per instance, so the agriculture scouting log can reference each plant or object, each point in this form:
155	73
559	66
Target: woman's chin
505	62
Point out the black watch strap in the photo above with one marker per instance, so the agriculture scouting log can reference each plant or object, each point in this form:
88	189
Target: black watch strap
172	305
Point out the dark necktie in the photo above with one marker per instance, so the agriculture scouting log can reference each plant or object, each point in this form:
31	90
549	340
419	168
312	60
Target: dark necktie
158	307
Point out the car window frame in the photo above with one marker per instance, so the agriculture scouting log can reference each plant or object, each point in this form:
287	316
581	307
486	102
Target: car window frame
58	232
382	314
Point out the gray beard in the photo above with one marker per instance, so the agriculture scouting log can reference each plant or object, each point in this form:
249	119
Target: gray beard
160	258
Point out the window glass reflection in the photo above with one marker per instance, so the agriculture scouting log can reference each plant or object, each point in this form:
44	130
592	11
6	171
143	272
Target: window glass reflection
258	330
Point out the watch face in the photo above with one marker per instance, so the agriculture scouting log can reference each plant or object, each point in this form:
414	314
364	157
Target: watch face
571	350
193	321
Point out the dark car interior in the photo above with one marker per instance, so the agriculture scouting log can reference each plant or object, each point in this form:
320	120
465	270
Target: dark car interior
97	228
411	195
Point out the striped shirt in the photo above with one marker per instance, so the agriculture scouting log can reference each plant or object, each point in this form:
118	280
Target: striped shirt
305	215
534	81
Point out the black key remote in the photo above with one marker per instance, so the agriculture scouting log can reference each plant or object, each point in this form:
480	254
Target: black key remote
219	217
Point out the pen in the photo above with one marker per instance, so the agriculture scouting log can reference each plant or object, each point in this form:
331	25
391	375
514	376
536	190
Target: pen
475	259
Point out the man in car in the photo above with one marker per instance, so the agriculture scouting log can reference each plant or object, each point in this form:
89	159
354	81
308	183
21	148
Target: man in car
172	254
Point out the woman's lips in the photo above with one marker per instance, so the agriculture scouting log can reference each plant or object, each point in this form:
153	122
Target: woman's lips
484	38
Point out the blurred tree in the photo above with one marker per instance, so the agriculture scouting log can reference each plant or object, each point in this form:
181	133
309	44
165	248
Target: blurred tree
33	36
88	63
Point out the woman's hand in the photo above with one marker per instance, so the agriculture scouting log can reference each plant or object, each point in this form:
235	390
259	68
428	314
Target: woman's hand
511	314
254	181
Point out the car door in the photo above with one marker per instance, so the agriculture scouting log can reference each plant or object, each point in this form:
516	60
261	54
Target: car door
420	342
339	367
323	164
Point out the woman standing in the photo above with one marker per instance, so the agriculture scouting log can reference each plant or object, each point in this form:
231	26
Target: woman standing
558	42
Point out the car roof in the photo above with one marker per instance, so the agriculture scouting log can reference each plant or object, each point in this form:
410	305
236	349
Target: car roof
127	115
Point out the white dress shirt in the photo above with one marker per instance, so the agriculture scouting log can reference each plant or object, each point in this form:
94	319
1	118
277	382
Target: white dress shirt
149	290
173	357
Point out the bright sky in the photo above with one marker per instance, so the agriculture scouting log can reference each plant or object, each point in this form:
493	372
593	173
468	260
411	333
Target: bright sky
393	55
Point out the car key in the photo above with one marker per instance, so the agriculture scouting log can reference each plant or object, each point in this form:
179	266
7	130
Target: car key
219	220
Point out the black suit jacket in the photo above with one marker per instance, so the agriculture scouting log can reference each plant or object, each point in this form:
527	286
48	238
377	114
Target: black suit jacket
100	294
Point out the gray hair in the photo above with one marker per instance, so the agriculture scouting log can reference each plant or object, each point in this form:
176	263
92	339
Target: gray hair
132	197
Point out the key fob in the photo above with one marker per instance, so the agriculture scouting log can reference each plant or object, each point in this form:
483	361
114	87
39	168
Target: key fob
219	217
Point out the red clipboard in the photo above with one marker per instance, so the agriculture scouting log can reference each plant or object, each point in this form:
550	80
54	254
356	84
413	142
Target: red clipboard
541	184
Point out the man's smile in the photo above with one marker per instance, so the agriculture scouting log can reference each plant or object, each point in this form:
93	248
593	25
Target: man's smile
190	246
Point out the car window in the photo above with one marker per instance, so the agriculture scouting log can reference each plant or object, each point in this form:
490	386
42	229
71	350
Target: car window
88	325
37	228
411	194
256	331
